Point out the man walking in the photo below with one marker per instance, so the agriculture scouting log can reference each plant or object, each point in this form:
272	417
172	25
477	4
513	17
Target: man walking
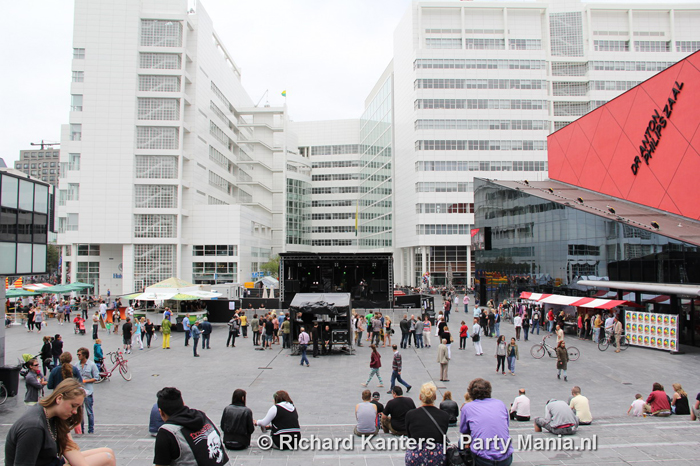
303	345
233	326
518	324
206	332
126	335
419	326
535	321
465	301
396	371
186	326
89	372
443	359
196	333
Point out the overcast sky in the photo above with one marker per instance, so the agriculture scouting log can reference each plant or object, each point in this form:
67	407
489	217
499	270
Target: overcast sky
327	55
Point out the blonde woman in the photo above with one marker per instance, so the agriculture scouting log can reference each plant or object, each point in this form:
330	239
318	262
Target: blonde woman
387	332
424	424
679	401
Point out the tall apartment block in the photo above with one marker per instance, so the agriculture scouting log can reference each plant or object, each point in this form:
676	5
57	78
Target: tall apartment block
478	86
42	164
171	169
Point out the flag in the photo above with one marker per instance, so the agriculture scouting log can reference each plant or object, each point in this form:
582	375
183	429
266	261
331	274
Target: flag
284	93
18	283
357	214
7	282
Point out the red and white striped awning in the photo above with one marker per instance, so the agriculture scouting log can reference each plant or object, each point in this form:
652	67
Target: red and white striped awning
36	286
561	300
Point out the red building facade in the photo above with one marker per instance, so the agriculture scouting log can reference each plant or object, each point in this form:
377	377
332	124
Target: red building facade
643	146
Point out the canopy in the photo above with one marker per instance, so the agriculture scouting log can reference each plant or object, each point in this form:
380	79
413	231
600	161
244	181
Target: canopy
58	289
81	285
174	289
321	303
38	287
19	293
269	282
576	301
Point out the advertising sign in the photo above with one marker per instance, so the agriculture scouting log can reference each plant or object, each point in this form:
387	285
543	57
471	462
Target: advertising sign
659	331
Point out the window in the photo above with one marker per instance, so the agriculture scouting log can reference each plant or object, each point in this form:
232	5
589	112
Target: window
150	83
73	161
89	272
215	250
443	43
156	166
570	108
569	89
525	44
78	54
76	133
444	187
160	61
569	69
611	45
153	263
213	272
157	137
687	46
583	250
220	183
485	44
155	196
155	226
652	46
161	33
456	208
566	34
454	229
78	76
480	145
482	64
158	109
88	249
72	222
76	103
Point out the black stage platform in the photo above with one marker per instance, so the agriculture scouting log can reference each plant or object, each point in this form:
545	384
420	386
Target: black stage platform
368	277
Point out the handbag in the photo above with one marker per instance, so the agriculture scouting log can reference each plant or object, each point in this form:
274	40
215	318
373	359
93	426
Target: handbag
477	336
454	456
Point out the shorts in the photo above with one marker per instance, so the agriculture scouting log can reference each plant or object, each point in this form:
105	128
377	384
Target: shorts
127	340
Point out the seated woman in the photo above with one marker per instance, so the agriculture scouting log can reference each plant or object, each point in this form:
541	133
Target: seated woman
450	407
657	402
283	420
237	422
679	401
42	435
424	424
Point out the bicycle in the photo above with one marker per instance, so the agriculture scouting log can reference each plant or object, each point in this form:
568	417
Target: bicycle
539	349
3	393
117	358
610	340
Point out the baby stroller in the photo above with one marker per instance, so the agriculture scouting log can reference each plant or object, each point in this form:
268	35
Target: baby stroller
79	325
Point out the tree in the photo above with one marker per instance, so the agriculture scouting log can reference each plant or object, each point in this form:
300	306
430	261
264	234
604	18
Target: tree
271	267
51	258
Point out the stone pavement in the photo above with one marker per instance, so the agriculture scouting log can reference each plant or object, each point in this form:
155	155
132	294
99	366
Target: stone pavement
326	393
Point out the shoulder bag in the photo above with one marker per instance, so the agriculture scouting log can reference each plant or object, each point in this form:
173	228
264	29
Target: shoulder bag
454	455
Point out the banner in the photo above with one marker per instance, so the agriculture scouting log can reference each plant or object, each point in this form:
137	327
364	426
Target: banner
651	330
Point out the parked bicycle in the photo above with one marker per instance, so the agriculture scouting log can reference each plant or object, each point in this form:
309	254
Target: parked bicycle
540	349
3	393
609	340
120	364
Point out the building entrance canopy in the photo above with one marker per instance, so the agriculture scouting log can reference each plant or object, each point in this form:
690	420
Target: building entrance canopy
592	303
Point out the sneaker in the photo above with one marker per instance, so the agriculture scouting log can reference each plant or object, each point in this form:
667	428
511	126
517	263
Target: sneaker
566	379
363	384
558	376
381	385
409	389
389	392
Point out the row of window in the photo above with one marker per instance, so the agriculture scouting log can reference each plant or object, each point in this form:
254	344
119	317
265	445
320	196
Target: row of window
445	208
479	84
215	250
156	83
332	203
483	124
478	64
161	33
483	165
155	226
337	164
36	165
38	155
336	177
582	88
160	61
158	109
333	229
471	104
155	196
444	187
639	45
333	216
332	242
483	44
208	268
470	144
449	229
156	166
157	137
583	250
336	190
338	149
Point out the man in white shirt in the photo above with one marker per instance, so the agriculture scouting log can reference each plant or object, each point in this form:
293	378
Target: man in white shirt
579	404
518	323
520	409
103	309
609	324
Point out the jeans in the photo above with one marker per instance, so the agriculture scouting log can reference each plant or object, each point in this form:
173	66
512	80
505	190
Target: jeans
195	344
478	461
359	338
256	338
559	372
245	331
404	339
205	340
372	372
87	404
231	338
188	335
285	340
501	363
395	376
550	326
94	331
526	332
148	339
462	342
511	364
303	355
536	325
498	329
419	340
596	334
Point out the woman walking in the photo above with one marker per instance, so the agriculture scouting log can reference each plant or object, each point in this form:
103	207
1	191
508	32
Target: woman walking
30	319
38	320
513	354
375	362
501	354
150	331
562	359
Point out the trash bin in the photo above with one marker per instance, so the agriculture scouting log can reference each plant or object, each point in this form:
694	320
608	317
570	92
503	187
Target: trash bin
9	375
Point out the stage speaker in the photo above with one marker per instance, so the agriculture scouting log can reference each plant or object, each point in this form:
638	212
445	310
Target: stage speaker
291	286
375	285
383	286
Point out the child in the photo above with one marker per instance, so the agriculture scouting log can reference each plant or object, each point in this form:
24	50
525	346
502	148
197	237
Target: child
116	316
97	352
637	406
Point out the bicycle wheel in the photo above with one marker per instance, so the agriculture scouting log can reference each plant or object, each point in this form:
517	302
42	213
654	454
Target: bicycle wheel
125	372
624	343
603	344
574	353
537	351
3	393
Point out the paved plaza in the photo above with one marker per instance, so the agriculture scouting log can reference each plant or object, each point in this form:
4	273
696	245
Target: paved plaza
325	395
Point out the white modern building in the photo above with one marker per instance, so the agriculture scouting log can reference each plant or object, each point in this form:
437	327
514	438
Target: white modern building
167	167
479	85
170	170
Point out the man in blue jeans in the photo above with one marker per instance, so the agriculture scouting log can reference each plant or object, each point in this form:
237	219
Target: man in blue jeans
303	344
186	324
89	373
396	371
206	333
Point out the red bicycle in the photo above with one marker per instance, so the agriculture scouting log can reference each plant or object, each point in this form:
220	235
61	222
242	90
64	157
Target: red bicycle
120	364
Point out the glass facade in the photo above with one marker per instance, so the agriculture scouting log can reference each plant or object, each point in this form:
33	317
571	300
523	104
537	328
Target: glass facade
375	205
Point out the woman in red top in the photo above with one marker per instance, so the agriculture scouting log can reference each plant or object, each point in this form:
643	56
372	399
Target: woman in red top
375	362
657	403
463	335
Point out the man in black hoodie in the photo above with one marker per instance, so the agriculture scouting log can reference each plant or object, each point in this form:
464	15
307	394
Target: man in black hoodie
188	437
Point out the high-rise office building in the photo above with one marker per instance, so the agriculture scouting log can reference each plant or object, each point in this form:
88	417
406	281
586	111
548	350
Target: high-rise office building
42	164
478	86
